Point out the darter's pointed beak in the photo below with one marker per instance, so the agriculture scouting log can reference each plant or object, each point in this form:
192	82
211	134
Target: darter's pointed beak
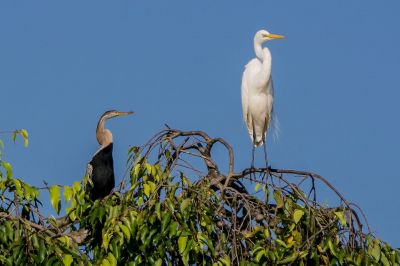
125	113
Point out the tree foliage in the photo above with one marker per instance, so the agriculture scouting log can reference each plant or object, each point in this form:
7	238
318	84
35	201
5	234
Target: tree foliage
175	206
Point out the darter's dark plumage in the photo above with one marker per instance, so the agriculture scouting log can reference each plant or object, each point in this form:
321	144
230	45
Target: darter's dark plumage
102	165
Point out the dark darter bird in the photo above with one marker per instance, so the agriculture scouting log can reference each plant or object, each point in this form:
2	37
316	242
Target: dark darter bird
102	166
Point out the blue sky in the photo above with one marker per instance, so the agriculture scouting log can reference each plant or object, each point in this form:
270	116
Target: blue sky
336	79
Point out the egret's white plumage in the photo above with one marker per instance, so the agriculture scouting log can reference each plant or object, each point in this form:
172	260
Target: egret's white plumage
257	89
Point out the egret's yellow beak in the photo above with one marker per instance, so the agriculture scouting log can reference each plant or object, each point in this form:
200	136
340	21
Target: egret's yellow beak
274	36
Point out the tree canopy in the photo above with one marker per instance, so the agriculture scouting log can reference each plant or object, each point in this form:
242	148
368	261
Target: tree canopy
177	206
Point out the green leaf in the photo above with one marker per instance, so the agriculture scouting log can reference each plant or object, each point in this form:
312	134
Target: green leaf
67	260
297	215
27	191
289	259
71	213
332	248
136	170
140	201
143	234
55	198
148	168
146	189
158	262
18	187
24	135
76	187
152	186
127	223
158	210
126	231
173	228
170	205
182	241
35	241
266	233
259	255
9	230
165	221
14	135
106	241
105	262
185	259
52	261
375	251
340	215
280	242
42	251
149	238
112	259
226	261
257	187
8	169
65	240
68	192
254	232
384	260
278	199
185	203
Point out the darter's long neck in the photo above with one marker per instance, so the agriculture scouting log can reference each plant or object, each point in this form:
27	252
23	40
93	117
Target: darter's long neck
103	135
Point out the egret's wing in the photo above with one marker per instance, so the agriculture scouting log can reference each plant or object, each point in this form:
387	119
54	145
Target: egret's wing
274	118
245	97
272	87
246	78
250	71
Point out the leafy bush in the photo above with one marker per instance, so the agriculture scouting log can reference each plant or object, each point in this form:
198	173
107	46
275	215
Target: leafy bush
176	207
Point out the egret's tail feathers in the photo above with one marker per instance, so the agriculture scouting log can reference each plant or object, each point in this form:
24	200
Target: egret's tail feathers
258	143
276	127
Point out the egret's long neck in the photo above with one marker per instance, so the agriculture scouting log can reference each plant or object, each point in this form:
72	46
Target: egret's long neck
103	135
258	49
264	55
267	62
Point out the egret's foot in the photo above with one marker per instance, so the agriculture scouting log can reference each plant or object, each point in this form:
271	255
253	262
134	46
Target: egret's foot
252	172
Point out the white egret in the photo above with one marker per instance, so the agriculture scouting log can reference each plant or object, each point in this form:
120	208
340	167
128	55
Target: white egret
258	91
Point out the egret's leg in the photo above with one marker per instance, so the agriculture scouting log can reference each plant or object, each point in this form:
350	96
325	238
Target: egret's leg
265	141
253	175
252	157
266	163
265	154
254	148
